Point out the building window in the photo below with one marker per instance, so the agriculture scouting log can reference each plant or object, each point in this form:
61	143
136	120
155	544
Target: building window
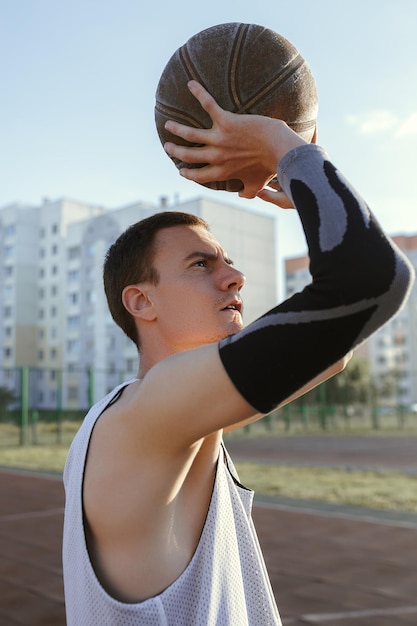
111	342
73	275
130	365
74	321
91	250
73	393
74	253
72	345
91	297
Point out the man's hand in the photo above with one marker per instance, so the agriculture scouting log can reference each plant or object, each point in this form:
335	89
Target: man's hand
274	194
245	147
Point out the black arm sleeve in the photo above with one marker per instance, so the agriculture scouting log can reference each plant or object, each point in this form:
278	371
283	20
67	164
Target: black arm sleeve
359	281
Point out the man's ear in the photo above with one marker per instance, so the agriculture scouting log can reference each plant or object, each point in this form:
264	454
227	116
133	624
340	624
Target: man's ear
137	301
314	137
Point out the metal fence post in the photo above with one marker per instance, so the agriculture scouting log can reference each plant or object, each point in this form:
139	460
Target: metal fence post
322	405
59	407
90	375
24	405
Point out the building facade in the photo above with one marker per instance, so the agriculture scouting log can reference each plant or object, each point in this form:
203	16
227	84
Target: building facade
55	320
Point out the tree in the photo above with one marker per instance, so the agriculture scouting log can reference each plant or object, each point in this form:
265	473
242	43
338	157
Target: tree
350	386
7	396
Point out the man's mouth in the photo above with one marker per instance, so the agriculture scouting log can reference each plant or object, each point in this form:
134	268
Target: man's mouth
235	306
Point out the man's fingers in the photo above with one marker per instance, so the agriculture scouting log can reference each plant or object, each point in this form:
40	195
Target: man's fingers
205	99
279	198
189	133
248	193
202	175
192	155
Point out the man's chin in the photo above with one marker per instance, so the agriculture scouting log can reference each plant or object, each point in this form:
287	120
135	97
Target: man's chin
234	328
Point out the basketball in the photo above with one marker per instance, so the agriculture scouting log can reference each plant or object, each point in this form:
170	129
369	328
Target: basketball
247	68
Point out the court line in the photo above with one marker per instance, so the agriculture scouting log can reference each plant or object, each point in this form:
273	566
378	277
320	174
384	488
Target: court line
31	515
327	617
294	508
332	513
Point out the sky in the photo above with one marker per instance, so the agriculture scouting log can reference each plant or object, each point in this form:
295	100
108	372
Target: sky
78	81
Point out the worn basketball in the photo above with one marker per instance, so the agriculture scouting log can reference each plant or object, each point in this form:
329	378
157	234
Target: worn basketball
247	68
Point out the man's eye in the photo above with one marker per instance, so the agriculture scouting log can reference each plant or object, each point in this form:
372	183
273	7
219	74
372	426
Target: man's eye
200	263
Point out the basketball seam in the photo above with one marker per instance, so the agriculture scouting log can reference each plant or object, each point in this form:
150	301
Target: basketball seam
188	65
300	126
178	115
279	80
238	44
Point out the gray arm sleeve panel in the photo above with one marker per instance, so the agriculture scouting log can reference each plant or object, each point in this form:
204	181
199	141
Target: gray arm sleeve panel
359	281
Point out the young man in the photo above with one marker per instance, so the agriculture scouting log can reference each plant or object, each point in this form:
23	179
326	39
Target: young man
158	529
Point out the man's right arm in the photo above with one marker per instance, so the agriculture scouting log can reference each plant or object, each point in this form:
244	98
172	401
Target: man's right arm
359	281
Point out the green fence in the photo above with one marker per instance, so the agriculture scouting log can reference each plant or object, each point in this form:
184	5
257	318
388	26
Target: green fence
322	417
45	406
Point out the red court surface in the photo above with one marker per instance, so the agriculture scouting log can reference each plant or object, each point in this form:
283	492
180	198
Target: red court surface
334	567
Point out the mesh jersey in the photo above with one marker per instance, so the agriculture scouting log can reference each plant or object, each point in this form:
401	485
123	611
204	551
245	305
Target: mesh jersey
225	583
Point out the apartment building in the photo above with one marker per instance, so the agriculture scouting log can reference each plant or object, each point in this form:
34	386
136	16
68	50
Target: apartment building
55	318
392	351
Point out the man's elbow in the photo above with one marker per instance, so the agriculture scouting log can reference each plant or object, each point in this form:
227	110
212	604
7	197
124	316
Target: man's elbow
339	366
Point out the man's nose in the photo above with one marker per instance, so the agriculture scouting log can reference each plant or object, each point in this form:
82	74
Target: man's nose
235	278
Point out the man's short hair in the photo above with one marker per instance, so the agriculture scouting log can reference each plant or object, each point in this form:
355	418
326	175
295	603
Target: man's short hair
130	260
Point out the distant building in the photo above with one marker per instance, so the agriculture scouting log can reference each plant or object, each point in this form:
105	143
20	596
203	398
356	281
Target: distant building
55	318
392	351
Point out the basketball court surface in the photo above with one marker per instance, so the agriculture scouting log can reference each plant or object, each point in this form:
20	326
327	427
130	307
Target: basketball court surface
330	565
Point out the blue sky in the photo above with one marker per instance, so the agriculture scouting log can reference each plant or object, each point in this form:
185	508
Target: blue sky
78	80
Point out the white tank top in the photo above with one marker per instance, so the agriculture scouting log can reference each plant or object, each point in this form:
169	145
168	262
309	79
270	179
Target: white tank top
225	583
